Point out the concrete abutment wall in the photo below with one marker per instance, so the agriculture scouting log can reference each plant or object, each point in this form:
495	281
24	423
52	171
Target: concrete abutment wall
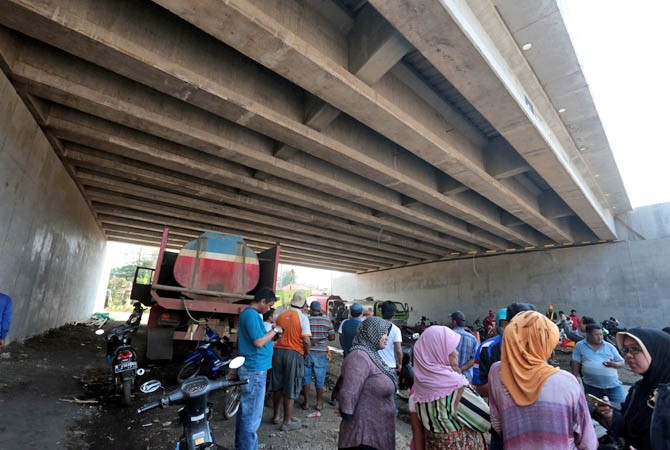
628	280
51	249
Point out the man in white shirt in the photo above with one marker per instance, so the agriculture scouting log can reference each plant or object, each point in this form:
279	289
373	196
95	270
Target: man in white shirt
392	354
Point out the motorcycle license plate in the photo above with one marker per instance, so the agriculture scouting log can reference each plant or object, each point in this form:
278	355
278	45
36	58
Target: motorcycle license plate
126	365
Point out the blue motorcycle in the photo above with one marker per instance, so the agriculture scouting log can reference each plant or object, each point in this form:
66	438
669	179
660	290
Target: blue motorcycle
207	361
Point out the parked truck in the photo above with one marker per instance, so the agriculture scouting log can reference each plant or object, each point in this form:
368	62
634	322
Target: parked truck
211	280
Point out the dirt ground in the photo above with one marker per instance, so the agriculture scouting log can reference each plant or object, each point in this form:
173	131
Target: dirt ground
44	380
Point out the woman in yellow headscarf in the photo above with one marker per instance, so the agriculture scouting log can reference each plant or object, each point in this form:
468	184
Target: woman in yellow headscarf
536	406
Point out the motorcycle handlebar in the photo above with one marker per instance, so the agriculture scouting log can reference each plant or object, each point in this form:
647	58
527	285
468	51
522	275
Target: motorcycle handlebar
147	407
224	384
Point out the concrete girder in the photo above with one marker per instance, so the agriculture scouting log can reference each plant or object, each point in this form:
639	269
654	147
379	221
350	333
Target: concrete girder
121	186
213	95
274	41
161	201
489	75
166	118
193	230
256	247
94	132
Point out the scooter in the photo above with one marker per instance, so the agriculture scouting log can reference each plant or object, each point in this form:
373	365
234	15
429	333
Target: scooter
205	359
122	360
136	316
194	416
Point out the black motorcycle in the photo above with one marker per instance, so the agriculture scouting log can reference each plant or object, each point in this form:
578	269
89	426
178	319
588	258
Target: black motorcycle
611	328
122	360
194	416
406	375
136	316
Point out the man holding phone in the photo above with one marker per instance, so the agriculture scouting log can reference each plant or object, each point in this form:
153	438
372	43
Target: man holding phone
597	361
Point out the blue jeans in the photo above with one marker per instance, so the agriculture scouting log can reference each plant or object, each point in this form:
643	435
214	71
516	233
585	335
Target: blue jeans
315	366
252	400
615	394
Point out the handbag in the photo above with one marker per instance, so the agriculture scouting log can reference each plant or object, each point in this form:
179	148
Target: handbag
473	407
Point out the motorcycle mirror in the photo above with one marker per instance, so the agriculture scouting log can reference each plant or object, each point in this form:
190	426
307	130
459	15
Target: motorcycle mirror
99	331
150	386
236	363
139	372
415	336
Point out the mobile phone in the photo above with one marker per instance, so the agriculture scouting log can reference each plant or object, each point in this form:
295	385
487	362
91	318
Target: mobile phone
595	400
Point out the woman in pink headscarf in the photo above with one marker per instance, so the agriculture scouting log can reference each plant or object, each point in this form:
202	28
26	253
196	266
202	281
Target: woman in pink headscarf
438	418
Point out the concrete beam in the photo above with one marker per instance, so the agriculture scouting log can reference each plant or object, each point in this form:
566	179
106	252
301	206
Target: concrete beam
140	108
502	161
279	227
193	230
374	46
94	132
274	41
148	57
458	40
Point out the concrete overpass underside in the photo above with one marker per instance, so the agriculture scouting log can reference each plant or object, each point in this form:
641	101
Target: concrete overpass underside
361	135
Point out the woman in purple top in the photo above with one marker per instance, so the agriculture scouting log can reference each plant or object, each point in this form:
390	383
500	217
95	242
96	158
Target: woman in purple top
366	393
535	406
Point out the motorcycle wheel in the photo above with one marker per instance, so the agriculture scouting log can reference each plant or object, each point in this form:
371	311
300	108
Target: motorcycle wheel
188	371
231	402
127	384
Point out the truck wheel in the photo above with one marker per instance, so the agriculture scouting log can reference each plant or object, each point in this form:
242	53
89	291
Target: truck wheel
189	370
127	384
231	402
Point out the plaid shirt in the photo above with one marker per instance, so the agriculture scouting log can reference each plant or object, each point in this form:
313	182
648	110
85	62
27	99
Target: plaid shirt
466	349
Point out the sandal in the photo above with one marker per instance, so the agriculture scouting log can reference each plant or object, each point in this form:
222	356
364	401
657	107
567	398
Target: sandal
304	406
293	425
276	420
319	406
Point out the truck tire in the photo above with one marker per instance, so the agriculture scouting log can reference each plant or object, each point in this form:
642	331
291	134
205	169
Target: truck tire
231	402
127	385
189	370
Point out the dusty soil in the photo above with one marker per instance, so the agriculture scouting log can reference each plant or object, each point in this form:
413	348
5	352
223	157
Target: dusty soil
42	374
44	378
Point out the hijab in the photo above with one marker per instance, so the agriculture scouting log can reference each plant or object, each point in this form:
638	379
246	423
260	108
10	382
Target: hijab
367	338
527	343
637	417
433	376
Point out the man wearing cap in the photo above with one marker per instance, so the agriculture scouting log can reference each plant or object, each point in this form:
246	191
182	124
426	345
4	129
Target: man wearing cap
291	351
255	344
349	327
317	363
467	347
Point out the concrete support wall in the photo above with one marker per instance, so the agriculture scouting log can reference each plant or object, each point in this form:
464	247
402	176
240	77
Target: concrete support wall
51	249
628	280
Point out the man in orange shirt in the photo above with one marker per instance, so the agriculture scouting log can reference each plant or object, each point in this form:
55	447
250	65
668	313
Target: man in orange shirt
288	360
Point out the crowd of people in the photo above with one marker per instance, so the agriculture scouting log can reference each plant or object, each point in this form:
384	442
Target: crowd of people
505	392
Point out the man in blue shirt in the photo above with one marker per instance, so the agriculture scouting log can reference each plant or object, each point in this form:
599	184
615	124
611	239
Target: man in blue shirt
255	344
349	327
5	317
466	347
597	362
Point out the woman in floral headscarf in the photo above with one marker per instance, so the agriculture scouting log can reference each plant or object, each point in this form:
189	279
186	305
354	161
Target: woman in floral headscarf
366	392
437	404
535	406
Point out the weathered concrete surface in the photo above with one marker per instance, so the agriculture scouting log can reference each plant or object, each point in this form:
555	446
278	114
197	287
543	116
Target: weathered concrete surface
51	249
627	280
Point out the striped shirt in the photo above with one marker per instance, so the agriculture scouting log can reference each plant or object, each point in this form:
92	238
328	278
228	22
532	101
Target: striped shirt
322	328
444	416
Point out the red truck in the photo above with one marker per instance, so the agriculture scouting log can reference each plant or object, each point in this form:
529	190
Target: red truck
211	280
